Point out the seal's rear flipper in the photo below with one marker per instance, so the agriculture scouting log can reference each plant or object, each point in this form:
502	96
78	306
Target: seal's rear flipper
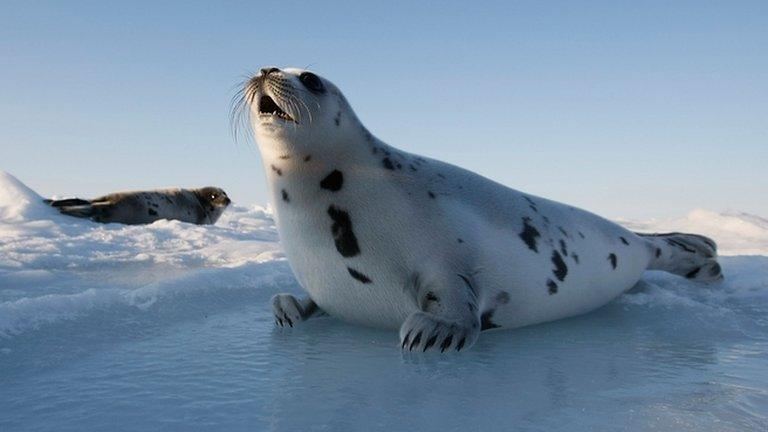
95	211
67	202
690	255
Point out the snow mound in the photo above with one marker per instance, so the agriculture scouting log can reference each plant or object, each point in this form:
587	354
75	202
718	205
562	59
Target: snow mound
54	267
18	202
735	233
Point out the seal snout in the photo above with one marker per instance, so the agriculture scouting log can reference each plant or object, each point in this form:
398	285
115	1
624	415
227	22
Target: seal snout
268	70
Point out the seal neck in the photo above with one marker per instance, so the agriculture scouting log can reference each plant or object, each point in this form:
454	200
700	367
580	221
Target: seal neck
289	162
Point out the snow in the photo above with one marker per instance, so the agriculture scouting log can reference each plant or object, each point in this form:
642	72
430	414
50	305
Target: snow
167	327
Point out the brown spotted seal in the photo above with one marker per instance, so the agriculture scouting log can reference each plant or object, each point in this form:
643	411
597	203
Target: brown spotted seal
199	206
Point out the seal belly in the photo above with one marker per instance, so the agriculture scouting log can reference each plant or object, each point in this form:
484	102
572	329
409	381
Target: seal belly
344	264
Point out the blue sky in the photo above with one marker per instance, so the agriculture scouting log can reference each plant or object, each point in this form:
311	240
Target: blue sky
630	109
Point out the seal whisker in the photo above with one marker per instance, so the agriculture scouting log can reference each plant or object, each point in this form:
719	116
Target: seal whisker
309	112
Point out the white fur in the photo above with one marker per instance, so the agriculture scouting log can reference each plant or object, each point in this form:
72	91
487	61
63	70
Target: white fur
409	241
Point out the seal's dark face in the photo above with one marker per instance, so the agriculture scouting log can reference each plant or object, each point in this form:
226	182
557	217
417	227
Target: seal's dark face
213	196
295	107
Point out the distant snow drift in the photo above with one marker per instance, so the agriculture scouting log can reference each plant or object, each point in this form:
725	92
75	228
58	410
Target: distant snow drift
735	233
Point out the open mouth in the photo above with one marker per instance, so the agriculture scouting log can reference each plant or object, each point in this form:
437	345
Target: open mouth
267	106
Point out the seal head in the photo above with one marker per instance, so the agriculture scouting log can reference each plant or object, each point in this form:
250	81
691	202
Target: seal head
213	200
296	111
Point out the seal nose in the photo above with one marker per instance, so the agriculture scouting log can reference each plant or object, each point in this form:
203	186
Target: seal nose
267	71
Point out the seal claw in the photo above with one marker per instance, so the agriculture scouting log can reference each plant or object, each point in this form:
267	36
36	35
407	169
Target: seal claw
431	341
415	341
446	343
431	329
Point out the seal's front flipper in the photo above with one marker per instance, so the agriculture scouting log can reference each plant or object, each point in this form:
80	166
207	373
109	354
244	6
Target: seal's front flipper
448	318
289	311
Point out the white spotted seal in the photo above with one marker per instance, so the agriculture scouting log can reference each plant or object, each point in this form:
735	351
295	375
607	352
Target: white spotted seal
381	237
199	206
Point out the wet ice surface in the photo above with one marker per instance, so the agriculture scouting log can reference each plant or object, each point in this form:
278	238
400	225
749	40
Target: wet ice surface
167	327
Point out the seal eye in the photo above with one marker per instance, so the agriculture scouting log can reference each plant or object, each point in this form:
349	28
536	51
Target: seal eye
312	82
213	196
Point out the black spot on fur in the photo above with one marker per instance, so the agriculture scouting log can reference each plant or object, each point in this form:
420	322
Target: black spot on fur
277	170
343	236
560	270
681	245
431	297
285	196
564	232
658	252
469	284
440	175
529	234
337	119
575	257
546	220
531	204
333	181
502	297
431	194
152	212
623	240
551	287
581	235
359	276
387	163
413	168
614	261
486	322
307	158
692	274
460	240
399	165
563	249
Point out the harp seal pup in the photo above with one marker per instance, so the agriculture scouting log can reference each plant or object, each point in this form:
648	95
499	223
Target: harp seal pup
198	206
381	237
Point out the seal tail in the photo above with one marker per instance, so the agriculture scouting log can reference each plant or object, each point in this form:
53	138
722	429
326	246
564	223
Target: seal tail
690	255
